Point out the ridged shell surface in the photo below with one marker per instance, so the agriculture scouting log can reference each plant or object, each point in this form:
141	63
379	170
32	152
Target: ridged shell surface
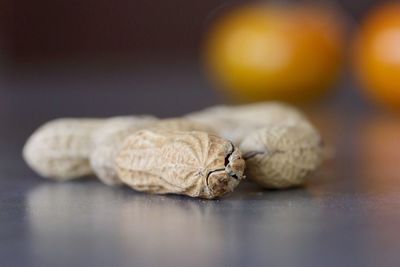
107	140
193	163
281	156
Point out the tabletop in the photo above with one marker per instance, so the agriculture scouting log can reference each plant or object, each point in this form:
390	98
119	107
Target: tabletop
347	215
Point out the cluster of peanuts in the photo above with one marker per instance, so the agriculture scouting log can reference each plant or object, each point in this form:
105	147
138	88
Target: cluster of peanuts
203	154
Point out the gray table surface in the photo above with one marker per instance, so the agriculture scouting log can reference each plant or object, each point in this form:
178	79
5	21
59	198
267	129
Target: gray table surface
347	215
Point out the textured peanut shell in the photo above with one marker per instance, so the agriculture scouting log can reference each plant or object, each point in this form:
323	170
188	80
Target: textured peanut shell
281	156
196	164
106	141
60	148
235	122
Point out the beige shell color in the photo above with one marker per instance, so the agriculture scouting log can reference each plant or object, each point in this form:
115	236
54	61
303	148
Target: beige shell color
181	124
285	146
235	122
107	140
60	148
281	156
196	164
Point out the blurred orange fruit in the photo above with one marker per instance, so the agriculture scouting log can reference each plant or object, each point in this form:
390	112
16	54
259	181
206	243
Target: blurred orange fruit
377	55
264	52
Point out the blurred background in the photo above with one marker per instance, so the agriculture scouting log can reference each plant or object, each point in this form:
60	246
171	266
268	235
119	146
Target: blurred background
54	30
104	58
113	48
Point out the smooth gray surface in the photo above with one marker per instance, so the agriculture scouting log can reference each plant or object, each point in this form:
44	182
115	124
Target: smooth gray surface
348	215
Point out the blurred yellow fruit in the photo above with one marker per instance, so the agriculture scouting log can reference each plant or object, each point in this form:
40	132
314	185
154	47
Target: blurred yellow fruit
377	55
264	52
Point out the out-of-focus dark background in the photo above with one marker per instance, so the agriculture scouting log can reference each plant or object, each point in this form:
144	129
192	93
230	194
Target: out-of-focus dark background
119	50
91	29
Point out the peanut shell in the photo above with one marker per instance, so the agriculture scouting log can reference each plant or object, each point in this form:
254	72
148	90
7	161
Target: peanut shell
60	148
196	164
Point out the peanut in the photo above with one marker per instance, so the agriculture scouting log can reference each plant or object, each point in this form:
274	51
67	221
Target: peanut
60	148
196	164
235	122
281	147
106	141
281	156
